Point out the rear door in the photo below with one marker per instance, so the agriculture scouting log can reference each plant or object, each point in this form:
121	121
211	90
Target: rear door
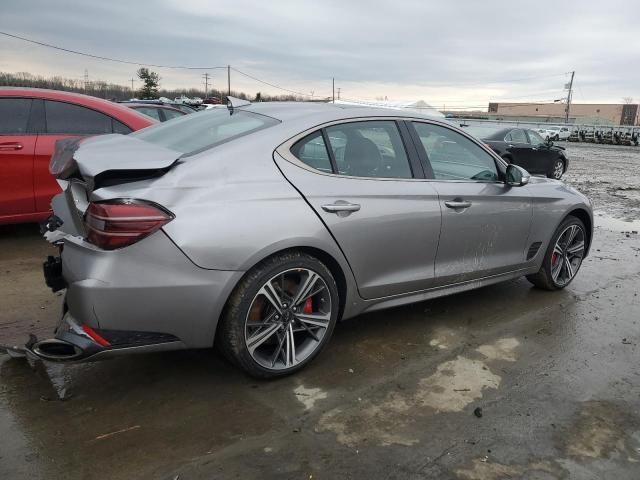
370	192
17	145
485	223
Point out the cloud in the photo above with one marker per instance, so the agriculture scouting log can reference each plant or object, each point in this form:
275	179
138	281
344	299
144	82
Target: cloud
461	53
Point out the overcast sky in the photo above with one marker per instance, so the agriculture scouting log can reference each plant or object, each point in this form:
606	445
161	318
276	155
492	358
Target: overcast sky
456	53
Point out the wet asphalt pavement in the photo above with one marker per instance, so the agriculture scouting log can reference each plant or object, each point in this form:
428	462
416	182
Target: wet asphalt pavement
556	376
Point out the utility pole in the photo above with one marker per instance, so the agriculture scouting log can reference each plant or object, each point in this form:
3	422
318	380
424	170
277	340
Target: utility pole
229	80
569	95
86	79
206	83
338	93
333	88
132	80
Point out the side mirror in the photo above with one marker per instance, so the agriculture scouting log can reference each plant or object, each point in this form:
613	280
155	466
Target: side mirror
516	176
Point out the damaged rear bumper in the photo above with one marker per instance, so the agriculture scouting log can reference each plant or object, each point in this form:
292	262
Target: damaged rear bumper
75	342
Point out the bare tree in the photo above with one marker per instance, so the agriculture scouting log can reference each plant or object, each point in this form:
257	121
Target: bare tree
627	100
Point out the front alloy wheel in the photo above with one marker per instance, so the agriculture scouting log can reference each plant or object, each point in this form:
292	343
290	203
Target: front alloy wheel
280	315
563	257
567	255
558	169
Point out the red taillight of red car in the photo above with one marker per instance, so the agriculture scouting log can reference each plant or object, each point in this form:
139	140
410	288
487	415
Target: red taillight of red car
120	223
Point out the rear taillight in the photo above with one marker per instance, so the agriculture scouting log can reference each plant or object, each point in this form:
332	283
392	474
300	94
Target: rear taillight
119	223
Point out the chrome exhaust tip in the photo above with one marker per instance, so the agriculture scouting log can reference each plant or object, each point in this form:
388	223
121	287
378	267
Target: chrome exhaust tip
56	350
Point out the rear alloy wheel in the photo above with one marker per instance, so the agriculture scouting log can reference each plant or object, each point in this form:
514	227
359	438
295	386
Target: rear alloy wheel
558	169
280	316
563	257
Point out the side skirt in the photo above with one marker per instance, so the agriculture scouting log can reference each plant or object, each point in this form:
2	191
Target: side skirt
414	297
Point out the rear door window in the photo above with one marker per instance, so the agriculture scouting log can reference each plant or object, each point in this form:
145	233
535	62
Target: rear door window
518	136
369	149
150	112
67	118
14	115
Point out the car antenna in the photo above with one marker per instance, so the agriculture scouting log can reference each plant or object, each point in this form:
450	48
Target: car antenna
233	102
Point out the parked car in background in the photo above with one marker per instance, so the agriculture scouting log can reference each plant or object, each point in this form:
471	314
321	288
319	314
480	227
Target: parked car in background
259	226
181	99
528	149
31	121
558	133
158	112
212	101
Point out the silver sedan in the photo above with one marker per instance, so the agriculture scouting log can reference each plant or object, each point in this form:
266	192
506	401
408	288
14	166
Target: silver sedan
256	228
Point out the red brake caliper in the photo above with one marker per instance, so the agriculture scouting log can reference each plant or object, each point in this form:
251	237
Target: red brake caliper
308	306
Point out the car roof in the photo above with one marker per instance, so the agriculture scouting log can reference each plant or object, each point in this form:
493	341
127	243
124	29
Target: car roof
128	116
315	113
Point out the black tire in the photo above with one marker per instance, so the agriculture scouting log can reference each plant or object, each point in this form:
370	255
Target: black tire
557	170
230	337
556	138
543	278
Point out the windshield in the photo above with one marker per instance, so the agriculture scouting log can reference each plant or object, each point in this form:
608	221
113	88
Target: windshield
195	132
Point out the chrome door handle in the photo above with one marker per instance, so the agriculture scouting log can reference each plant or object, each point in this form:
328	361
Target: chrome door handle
341	207
8	146
457	204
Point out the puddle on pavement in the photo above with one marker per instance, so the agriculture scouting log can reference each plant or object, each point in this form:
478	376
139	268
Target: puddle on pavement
607	222
599	431
452	387
484	469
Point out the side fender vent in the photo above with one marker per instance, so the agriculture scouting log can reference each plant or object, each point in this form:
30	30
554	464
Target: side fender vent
533	249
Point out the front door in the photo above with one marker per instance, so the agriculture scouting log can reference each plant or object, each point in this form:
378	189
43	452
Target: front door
541	160
485	223
17	146
367	190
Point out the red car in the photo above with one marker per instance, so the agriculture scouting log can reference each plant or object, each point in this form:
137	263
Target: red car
31	120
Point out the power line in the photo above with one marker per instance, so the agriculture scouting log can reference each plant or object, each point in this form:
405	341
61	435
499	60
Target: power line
270	84
109	59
